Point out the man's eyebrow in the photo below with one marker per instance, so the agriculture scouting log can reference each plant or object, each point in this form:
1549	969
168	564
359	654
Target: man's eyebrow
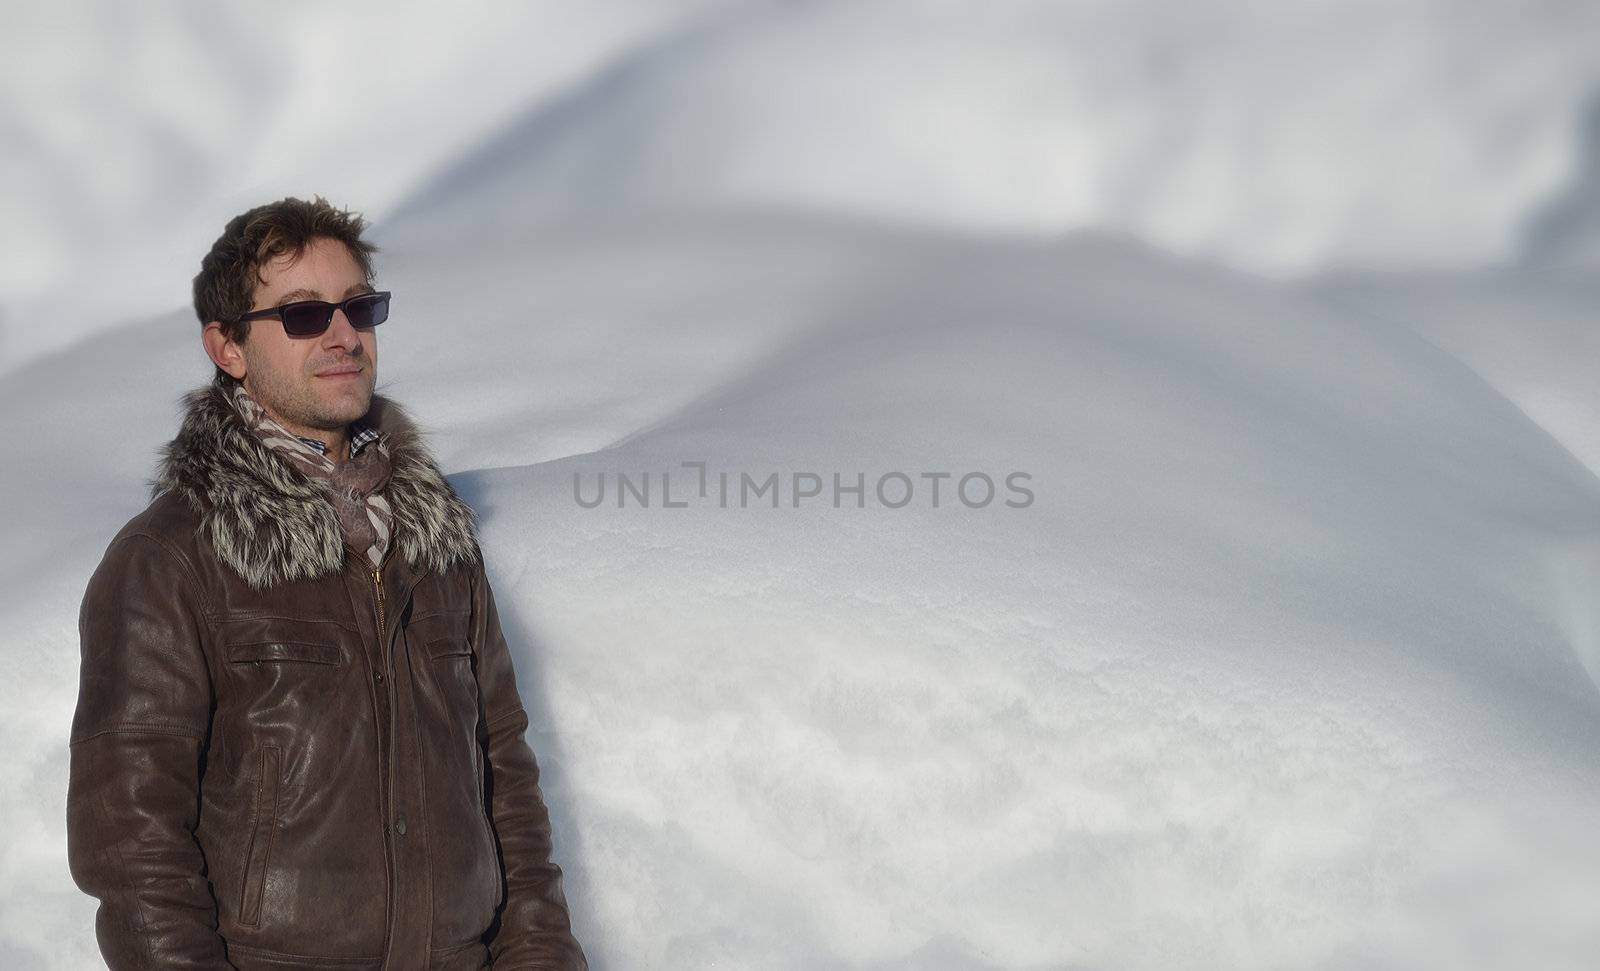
304	294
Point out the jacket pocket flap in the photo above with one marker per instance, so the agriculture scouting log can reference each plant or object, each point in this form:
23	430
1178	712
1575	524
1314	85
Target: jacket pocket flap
284	651
448	647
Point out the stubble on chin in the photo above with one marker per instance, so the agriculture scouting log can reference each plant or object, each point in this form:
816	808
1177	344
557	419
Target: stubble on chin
336	411
301	404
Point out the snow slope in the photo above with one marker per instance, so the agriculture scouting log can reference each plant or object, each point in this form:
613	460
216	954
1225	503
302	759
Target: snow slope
1283	138
133	134
1277	669
1279	137
1528	330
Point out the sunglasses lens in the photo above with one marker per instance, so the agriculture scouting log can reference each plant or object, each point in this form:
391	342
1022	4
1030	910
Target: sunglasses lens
367	311
307	319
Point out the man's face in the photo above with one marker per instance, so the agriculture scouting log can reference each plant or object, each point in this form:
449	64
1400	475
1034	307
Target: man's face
311	384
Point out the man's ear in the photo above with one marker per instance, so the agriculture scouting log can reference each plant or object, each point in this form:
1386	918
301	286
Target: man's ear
224	353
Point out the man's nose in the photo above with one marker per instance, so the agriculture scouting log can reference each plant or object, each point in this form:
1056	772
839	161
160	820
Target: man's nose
340	332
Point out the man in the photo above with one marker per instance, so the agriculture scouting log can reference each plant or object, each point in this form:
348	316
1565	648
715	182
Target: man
298	740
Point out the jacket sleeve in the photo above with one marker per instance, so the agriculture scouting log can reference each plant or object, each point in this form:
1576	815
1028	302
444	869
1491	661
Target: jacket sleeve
534	929
143	715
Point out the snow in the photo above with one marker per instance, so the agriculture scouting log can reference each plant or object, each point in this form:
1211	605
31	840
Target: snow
1290	661
1527	330
1274	663
1279	138
138	133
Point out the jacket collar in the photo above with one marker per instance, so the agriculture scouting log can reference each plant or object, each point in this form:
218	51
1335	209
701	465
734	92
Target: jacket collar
272	524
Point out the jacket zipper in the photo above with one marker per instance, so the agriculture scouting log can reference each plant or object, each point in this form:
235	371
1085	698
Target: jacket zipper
377	584
385	776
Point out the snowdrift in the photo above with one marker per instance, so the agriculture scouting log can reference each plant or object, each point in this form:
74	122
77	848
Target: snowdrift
1280	663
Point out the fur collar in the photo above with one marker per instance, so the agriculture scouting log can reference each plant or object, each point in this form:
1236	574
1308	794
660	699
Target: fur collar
273	524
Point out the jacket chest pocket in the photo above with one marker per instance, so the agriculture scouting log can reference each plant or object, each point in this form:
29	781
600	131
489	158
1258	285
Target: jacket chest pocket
302	652
282	689
275	674
441	654
440	646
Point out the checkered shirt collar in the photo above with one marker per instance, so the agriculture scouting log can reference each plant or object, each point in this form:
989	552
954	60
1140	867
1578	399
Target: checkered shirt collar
360	436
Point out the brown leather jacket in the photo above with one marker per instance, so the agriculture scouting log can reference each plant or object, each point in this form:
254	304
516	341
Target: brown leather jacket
282	758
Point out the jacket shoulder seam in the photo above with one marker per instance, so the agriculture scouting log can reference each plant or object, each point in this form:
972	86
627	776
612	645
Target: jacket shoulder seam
188	568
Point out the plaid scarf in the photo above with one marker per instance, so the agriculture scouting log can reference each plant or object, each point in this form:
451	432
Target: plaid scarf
355	486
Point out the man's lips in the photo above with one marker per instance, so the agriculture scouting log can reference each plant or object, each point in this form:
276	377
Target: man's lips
345	371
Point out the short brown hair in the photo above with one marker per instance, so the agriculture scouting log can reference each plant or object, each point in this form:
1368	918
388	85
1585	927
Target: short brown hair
226	284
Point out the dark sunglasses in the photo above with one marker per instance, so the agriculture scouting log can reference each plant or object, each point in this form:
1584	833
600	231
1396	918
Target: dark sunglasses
308	318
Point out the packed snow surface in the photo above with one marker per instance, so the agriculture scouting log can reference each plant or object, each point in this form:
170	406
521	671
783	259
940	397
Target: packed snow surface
1277	654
